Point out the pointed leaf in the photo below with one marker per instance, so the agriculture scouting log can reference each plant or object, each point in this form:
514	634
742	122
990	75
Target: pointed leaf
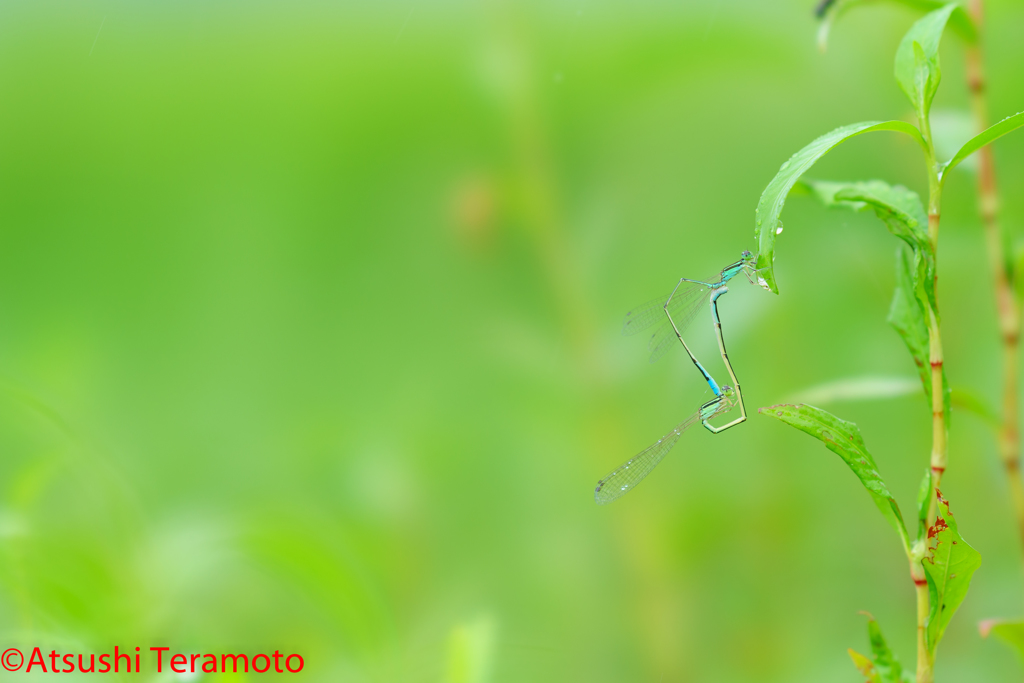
900	209
829	12
948	567
886	664
843	438
769	207
1010	632
917	59
1010	123
908	317
865	666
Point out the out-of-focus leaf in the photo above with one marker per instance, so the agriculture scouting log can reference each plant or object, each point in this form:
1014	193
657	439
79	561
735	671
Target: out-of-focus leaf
948	567
973	403
951	129
1010	632
886	664
865	666
769	207
471	652
829	12
924	496
1010	123
917	59
857	389
843	438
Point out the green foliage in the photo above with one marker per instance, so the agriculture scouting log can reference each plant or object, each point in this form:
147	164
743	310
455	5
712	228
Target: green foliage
917	59
471	652
844	439
913	300
865	666
899	209
908	320
908	316
948	568
864	388
1009	632
830	13
769	207
965	399
885	663
1010	123
924	497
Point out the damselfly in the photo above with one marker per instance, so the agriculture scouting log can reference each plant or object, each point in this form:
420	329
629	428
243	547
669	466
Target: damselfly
626	476
672	314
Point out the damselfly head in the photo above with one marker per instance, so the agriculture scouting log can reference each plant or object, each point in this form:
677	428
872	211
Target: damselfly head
751	271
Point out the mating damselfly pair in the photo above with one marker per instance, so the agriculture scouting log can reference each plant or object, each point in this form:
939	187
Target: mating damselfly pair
670	316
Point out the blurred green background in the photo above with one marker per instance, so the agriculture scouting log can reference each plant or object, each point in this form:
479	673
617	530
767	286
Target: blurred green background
310	338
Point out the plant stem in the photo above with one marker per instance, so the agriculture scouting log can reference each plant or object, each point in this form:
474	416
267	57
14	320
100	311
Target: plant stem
925	659
1007	304
935	356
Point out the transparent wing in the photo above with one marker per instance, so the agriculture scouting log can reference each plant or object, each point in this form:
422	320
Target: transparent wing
652	312
626	476
685	305
663	337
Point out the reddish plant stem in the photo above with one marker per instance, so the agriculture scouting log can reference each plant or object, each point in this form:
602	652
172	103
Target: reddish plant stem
1007	303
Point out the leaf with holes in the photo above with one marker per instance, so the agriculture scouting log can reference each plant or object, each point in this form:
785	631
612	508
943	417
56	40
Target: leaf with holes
843	438
948	567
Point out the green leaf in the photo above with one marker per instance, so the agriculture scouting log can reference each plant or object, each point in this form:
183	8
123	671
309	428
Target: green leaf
829	13
902	212
1010	632
899	209
924	496
886	664
769	207
975	403
868	388
865	666
843	438
983	138
907	317
917	59
948	568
